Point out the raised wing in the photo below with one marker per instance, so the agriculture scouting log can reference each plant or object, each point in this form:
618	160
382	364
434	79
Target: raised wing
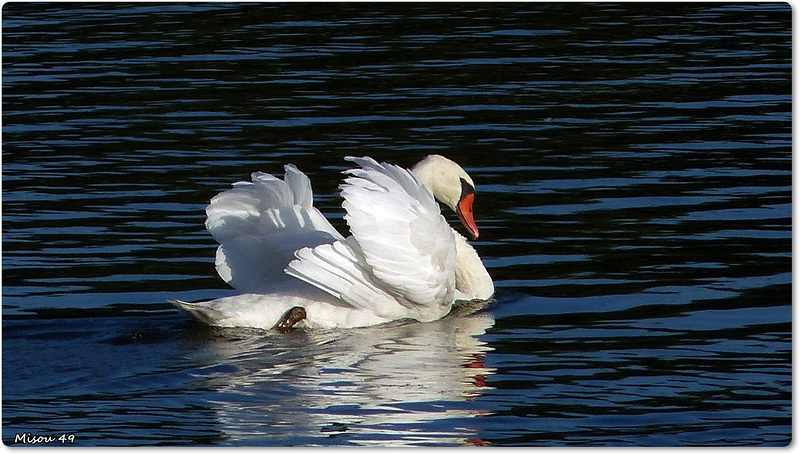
259	226
401	249
337	269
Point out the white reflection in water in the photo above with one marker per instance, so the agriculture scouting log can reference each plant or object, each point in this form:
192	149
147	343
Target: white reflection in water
382	385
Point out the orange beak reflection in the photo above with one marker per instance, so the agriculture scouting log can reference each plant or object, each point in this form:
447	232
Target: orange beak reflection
464	211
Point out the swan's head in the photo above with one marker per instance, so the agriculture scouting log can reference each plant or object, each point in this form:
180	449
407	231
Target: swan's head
450	185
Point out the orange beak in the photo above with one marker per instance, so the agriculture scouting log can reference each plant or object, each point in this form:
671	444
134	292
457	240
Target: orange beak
464	211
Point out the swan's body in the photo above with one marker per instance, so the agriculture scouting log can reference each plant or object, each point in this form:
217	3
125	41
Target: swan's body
402	260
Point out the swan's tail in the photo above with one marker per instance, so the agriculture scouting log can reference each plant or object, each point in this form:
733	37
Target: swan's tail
200	310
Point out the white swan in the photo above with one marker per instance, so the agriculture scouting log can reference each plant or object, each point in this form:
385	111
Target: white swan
402	260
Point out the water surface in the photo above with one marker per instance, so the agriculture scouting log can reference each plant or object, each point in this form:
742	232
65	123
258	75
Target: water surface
633	172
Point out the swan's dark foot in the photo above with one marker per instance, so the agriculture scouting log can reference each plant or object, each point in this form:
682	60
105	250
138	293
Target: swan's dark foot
292	317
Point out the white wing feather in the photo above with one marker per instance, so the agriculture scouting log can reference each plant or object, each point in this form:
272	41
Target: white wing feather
260	225
336	269
401	232
401	257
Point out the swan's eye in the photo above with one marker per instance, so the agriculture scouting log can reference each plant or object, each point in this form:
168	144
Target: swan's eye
466	189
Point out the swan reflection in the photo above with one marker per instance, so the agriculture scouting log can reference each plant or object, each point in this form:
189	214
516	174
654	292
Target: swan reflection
396	384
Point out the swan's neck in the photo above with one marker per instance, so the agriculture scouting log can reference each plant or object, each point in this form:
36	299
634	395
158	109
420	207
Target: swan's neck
472	280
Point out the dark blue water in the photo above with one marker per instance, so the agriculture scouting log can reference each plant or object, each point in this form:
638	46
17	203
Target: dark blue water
633	172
